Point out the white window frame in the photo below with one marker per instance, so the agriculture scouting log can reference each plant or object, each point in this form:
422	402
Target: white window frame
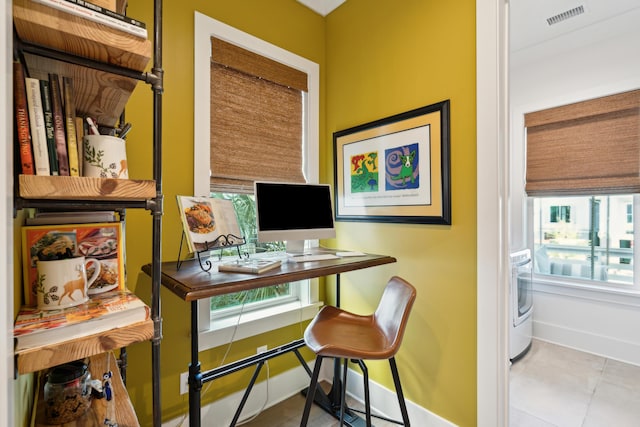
222	331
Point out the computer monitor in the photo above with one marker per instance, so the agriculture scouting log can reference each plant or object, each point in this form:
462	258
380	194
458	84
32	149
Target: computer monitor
293	213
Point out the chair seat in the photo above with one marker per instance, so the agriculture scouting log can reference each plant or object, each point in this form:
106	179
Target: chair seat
338	333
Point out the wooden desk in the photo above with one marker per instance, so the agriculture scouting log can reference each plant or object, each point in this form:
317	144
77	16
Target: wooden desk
191	283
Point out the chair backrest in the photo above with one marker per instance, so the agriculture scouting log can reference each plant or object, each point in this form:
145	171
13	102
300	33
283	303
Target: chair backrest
392	313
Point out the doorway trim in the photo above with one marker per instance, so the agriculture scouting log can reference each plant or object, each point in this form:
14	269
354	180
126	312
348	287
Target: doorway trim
492	233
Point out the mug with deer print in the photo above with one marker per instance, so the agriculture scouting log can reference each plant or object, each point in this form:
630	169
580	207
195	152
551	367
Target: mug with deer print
63	283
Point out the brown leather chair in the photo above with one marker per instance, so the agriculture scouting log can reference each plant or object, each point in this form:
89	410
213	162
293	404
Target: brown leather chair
336	333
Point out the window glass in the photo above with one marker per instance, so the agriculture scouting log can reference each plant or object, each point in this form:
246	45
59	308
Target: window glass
245	207
585	237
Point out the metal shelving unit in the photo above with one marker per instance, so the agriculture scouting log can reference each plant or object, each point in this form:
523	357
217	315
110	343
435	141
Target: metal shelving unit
83	193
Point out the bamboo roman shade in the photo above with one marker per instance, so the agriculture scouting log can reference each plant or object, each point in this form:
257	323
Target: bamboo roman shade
256	119
590	147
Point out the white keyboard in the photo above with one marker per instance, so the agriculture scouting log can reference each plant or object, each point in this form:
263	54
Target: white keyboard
314	257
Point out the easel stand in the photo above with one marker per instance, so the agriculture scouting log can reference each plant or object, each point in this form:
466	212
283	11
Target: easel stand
222	242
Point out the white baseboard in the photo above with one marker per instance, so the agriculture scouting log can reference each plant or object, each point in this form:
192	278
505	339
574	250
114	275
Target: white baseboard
385	402
287	384
600	345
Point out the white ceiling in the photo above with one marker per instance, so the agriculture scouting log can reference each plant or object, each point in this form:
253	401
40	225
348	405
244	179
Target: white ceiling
323	7
601	18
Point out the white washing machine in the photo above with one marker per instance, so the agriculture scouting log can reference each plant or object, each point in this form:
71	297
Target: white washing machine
521	301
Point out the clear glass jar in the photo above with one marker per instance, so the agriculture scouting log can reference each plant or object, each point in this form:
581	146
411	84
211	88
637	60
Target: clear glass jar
67	392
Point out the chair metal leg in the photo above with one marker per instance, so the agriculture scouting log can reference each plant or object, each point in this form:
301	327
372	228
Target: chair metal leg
396	382
311	391
367	401
343	400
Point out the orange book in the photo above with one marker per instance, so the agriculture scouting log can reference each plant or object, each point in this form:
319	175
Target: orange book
22	119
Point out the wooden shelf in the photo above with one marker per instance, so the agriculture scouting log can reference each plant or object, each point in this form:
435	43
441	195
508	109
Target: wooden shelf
39	358
125	414
99	94
46	26
85	188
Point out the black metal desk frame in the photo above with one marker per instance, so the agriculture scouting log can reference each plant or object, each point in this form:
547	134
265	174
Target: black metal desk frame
191	283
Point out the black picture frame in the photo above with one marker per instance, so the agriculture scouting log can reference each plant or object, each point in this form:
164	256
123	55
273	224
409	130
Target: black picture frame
396	169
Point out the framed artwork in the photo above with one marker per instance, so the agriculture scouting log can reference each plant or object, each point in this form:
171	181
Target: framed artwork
395	169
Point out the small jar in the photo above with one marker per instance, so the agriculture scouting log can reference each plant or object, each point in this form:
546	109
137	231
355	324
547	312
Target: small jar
67	392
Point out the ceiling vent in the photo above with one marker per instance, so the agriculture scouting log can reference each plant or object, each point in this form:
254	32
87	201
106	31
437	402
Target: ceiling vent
566	15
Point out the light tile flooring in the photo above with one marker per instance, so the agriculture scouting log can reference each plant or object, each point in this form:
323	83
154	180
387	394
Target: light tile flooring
554	386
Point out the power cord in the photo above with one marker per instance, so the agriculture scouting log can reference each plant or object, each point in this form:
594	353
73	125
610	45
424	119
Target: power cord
226	353
224	357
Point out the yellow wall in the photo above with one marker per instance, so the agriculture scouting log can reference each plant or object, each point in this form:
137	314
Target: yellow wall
386	57
377	58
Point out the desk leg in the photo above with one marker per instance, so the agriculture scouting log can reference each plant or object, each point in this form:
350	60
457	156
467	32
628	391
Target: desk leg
195	374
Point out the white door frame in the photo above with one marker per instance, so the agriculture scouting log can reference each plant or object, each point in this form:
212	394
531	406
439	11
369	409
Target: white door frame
492	234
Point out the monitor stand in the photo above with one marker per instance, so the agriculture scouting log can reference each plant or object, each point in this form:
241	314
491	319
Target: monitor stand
295	247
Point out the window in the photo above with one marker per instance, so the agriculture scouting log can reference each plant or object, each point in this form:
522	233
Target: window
294	302
597	244
560	214
582	174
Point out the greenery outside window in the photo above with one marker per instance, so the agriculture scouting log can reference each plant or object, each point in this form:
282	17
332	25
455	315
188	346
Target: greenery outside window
225	305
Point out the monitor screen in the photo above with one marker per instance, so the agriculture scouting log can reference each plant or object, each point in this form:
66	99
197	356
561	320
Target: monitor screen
293	212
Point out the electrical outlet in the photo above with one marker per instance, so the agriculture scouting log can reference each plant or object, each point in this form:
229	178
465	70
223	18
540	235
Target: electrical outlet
261	349
184	382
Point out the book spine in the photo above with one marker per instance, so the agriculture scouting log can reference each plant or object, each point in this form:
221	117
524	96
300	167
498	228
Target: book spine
92	15
36	121
70	125
58	125
22	119
80	124
48	126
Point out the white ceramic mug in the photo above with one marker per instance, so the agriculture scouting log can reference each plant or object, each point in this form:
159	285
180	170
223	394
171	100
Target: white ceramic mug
63	283
104	156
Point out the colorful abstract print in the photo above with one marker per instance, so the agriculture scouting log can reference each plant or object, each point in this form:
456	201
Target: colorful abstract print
364	172
401	168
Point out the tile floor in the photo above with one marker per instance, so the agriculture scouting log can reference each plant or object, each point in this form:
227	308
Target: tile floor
554	386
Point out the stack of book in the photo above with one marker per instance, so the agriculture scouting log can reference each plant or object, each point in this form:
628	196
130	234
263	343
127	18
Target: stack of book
46	125
36	328
250	265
